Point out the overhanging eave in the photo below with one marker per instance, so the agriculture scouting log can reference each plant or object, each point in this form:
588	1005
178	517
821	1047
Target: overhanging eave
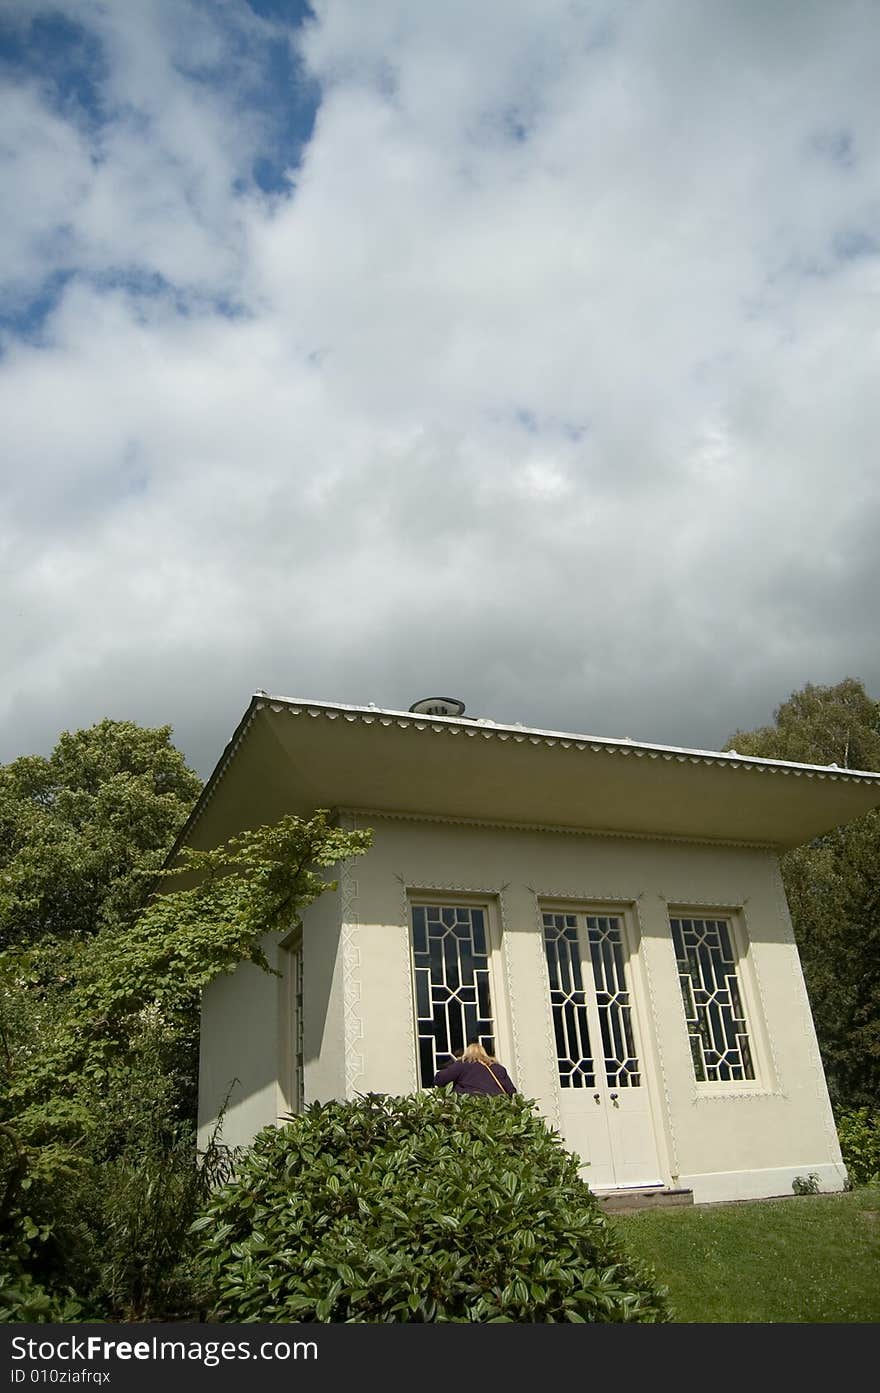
293	756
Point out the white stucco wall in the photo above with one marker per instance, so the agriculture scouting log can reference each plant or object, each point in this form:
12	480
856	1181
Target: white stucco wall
242	1032
238	1052
724	1141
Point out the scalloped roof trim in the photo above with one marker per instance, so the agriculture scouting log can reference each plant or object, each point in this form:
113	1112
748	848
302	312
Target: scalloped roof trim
597	744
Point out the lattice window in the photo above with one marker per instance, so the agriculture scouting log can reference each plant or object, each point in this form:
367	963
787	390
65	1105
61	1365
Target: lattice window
713	1007
453	998
568	1002
598	987
607	951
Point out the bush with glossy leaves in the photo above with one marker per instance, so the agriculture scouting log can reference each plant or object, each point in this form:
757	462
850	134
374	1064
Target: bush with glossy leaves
432	1207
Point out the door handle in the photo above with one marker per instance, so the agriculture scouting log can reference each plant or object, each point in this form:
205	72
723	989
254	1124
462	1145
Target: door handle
613	1097
598	1097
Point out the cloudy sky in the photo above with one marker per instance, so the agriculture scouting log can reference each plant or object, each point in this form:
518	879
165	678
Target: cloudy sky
525	351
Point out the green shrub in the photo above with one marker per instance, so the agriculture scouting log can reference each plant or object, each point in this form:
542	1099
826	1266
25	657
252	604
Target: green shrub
24	1300
432	1207
109	1239
859	1133
806	1184
142	1247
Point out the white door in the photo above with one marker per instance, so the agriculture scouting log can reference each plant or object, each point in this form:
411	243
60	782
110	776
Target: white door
605	1107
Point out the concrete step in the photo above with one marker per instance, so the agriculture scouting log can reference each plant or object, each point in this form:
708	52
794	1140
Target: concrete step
653	1197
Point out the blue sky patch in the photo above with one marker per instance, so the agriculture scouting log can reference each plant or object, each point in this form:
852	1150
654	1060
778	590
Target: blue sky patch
62	56
256	71
293	13
288	101
27	319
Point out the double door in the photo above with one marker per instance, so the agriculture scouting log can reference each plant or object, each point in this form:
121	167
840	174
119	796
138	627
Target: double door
605	1105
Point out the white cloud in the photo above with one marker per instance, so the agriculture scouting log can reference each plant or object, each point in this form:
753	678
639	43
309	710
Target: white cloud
46	167
551	379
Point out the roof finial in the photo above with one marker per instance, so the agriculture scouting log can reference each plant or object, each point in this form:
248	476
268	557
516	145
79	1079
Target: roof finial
438	706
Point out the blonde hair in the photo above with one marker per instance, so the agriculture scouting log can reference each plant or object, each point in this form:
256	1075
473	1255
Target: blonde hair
475	1052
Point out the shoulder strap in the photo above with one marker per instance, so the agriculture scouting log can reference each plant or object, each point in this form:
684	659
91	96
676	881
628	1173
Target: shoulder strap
495	1076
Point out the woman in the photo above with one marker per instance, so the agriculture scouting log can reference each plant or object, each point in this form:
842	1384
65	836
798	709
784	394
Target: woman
475	1072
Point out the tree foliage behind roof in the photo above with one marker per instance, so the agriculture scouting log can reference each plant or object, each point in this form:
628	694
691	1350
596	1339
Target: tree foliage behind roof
820	725
833	885
78	829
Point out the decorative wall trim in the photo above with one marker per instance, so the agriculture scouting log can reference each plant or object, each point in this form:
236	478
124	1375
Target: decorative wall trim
512	1012
583	898
754	1093
352	1024
384	814
406	962
697	902
417	887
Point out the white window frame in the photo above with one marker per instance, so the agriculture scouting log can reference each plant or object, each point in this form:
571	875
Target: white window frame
756	1028
488	903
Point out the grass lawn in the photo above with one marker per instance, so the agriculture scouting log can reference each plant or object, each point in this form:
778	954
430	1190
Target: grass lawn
808	1258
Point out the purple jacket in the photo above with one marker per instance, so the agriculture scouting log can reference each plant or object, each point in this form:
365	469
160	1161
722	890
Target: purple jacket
470	1076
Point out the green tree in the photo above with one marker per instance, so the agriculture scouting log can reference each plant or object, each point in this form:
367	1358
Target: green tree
151	972
99	1011
79	829
833	885
820	725
81	833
